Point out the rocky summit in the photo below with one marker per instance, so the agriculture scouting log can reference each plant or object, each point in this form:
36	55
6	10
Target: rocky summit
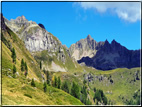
36	38
85	47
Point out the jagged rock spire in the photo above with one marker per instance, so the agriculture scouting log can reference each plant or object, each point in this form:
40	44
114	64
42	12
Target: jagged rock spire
89	37
21	19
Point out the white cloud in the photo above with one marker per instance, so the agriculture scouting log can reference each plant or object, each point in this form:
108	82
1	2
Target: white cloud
128	11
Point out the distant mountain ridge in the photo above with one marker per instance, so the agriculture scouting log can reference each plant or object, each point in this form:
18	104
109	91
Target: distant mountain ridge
105	55
100	55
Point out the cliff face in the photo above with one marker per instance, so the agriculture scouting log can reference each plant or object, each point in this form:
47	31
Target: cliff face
104	55
38	39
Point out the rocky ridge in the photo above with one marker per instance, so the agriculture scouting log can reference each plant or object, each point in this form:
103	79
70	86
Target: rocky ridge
37	38
113	55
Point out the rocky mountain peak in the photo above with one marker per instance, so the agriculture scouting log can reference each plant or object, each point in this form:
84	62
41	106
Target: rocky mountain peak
106	42
21	19
89	37
113	42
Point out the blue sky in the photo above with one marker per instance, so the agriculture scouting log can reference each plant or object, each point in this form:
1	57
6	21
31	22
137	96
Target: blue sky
72	21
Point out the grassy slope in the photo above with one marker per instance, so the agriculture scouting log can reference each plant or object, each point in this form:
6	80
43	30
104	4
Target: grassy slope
13	90
13	93
121	87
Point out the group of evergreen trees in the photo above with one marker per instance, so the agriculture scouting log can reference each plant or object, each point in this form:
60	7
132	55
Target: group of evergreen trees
24	67
83	97
23	64
100	97
135	100
65	87
56	82
76	92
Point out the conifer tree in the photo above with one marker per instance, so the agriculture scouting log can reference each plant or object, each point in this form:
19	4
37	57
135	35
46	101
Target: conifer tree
40	65
26	68
59	82
14	69
48	78
56	82
13	55
22	65
45	87
33	83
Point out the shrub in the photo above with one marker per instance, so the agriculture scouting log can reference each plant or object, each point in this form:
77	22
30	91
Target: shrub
28	95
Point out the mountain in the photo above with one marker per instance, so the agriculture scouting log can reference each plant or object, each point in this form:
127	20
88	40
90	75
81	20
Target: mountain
104	55
85	47
42	44
18	90
119	85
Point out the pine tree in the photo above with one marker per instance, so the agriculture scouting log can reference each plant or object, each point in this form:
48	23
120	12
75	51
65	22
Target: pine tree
40	65
105	100
59	82
14	69
45	87
22	65
94	89
97	95
26	68
13	56
33	83
56	82
48	79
